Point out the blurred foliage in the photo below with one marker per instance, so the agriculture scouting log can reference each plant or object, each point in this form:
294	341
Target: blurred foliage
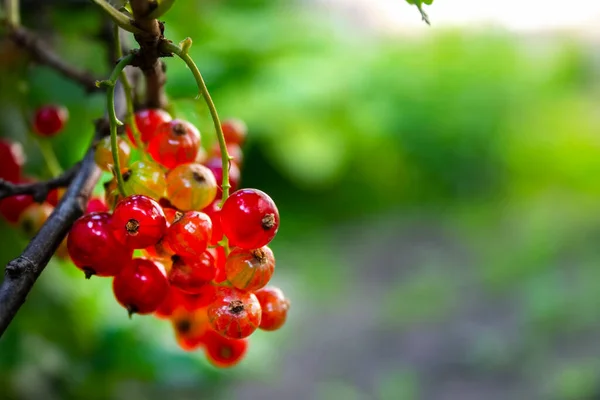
491	135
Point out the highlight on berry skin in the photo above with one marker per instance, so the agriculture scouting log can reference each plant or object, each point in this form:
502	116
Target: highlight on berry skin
249	218
50	119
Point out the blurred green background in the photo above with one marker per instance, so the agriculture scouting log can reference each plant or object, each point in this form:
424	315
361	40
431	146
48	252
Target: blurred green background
439	200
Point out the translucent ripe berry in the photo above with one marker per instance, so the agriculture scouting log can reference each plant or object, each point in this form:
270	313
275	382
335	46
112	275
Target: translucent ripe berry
191	187
50	119
33	217
96	204
141	286
147	122
234	313
12	159
214	212
103	153
220	257
173	301
190	275
250	270
55	195
144	178
216	166
234	131
92	247
249	218
176	142
138	222
189	235
223	352
12	207
190	328
274	306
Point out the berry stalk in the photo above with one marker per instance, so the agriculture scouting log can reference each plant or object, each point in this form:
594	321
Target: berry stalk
128	98
49	157
112	117
182	52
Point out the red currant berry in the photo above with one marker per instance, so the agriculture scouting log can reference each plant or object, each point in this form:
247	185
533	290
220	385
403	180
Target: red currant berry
249	218
55	195
141	286
191	187
214	212
172	302
224	352
176	142
190	328
234	151
12	207
50	119
202	298
144	178
216	166
274	306
250	270
96	204
138	222
220	257
189	235
12	159
92	247
103	153
234	313
147	122
34	216
234	131
190	275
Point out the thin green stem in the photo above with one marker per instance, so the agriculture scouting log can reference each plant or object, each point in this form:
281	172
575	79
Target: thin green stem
118	17
130	119
49	157
182	52
112	117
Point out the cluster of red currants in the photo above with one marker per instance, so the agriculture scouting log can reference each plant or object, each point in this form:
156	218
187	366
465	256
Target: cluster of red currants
171	249
202	266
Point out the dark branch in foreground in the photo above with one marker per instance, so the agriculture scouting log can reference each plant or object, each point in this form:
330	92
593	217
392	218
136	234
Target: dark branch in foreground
38	190
44	55
22	272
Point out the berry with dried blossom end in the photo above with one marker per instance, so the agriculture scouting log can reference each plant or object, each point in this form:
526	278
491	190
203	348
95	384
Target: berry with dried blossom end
176	142
188	236
141	286
138	222
147	122
191	275
93	248
191	187
249	218
250	270
234	313
223	352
